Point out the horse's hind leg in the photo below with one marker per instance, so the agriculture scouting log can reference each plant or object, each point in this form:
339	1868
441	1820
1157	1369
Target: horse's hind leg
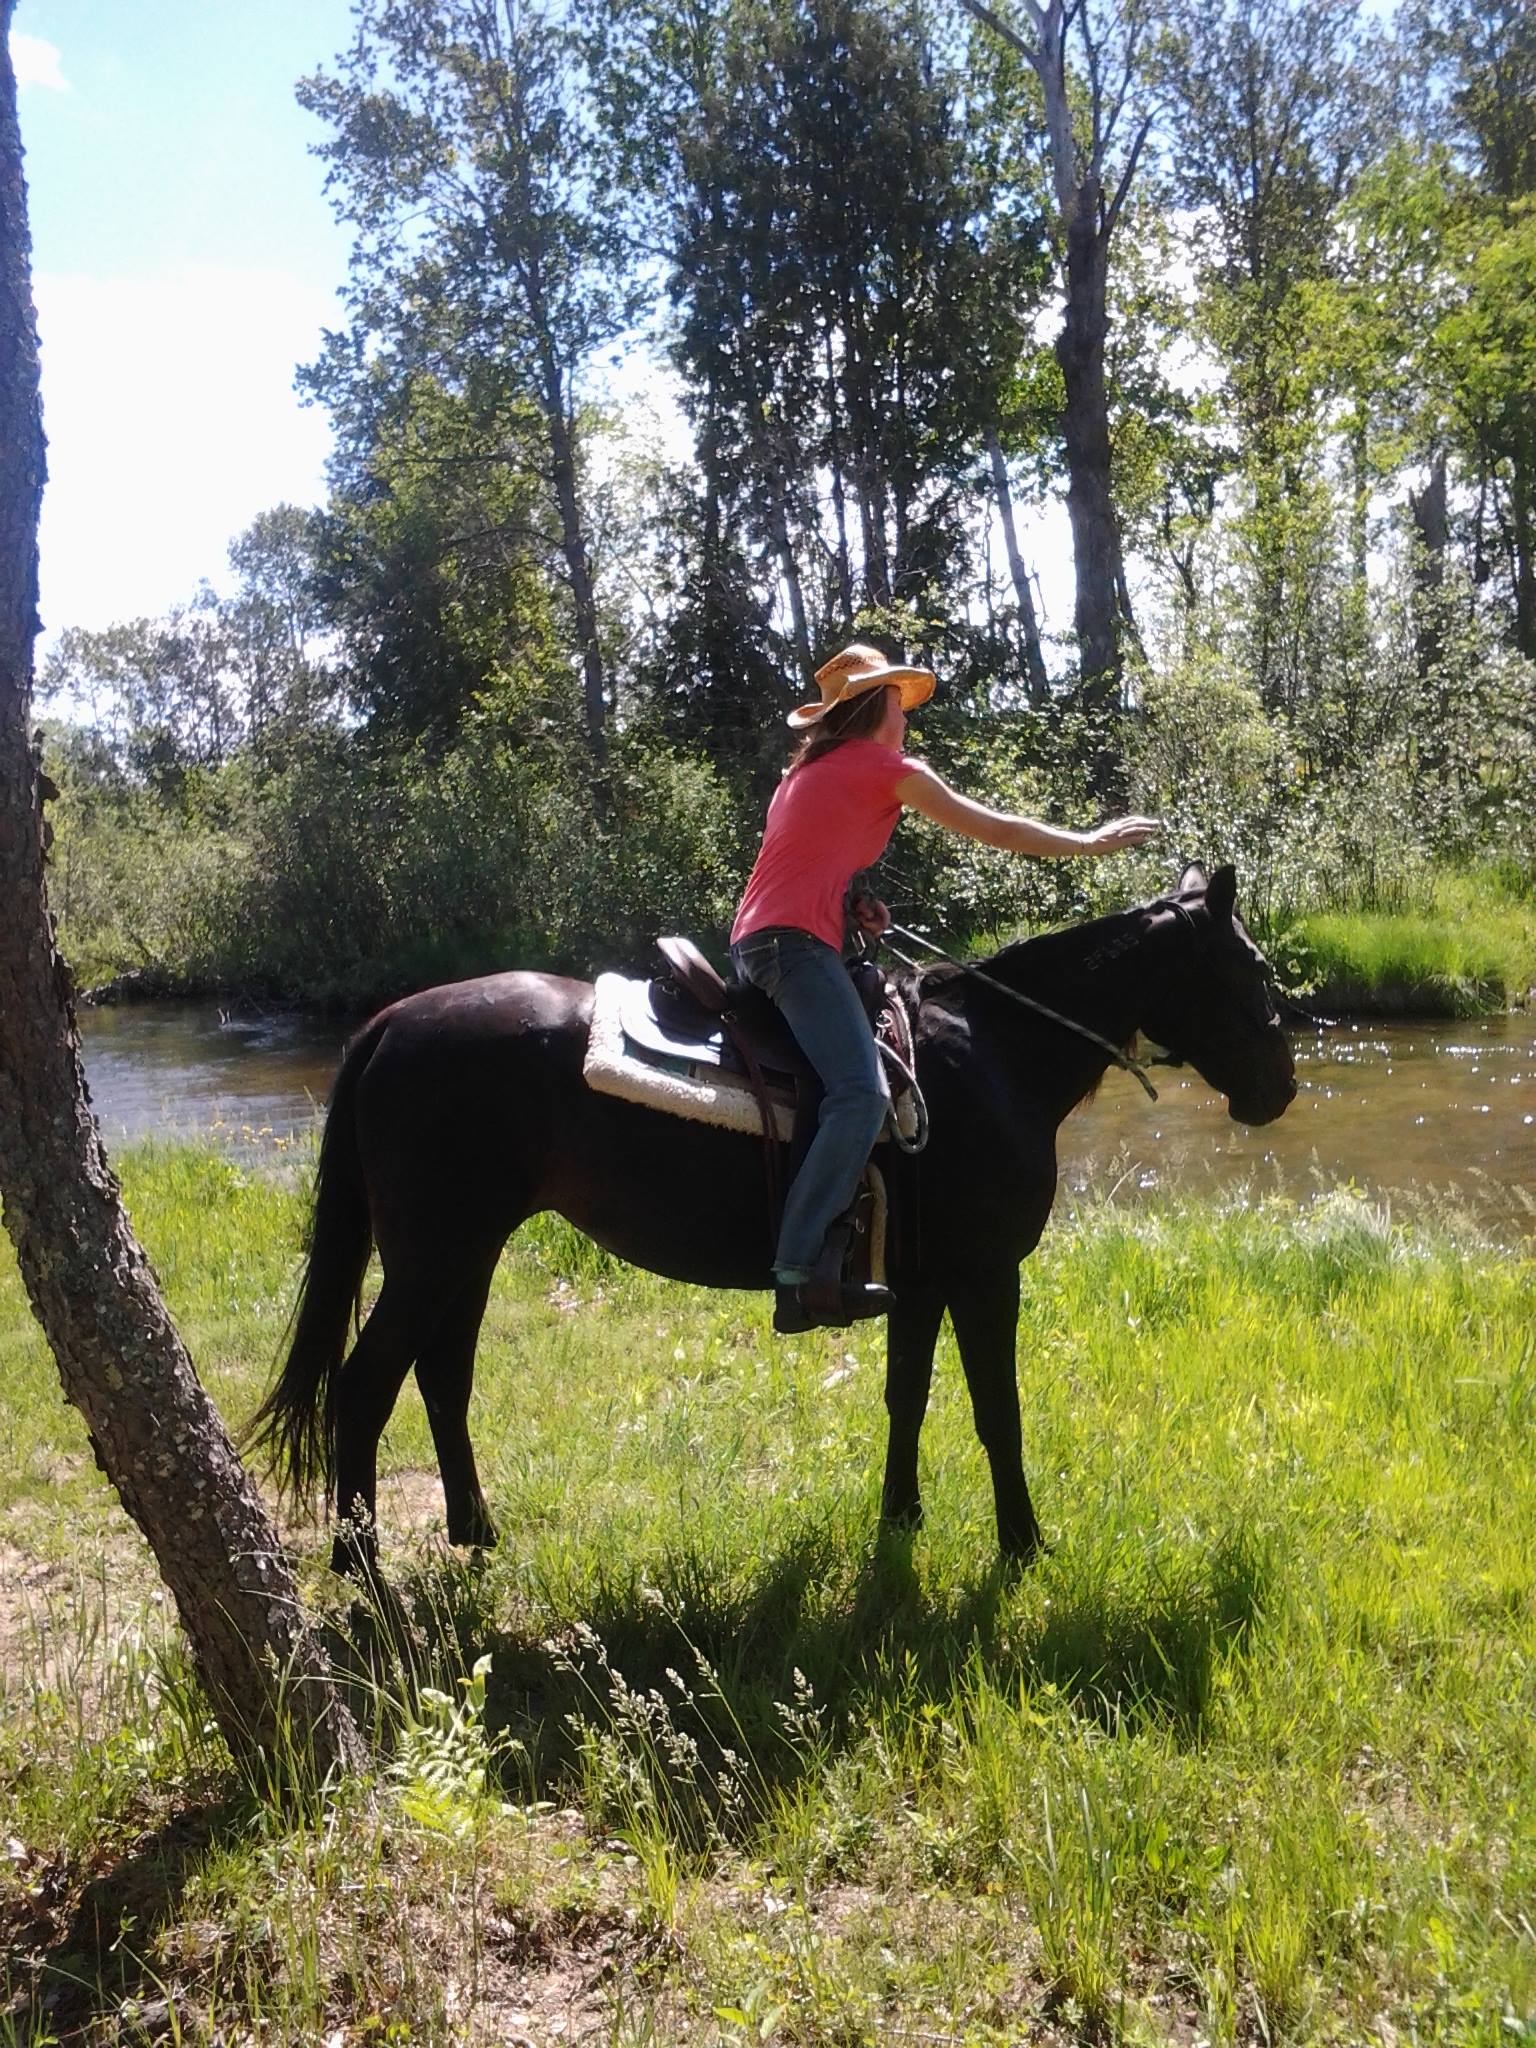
445	1371
366	1391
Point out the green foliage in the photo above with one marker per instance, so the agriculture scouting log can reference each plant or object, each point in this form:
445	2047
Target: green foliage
492	259
444	1758
1250	1752
1470	948
817	313
1209	762
429	558
380	761
349	874
159	693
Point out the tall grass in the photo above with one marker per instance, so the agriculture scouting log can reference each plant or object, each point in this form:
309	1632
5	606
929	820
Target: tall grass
1250	1756
1471	949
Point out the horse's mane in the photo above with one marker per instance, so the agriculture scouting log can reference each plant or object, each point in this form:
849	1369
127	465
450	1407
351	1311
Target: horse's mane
1050	965
1055	959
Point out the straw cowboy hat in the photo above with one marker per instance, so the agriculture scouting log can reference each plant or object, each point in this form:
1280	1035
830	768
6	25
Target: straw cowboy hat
859	668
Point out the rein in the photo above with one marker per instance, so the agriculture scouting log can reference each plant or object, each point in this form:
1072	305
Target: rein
1120	1057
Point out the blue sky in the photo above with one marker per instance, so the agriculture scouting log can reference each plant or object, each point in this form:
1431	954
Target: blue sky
184	262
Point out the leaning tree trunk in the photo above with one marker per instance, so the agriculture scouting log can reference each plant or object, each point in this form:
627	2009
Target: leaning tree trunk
155	1433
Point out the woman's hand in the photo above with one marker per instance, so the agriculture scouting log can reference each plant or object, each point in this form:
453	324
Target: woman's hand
1121	834
871	914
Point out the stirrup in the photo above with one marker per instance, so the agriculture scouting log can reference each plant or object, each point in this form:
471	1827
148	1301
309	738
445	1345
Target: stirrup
812	1305
828	1300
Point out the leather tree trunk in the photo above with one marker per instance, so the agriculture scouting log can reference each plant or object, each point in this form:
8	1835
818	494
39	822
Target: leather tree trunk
156	1434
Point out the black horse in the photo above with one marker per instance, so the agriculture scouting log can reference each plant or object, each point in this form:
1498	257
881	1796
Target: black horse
460	1112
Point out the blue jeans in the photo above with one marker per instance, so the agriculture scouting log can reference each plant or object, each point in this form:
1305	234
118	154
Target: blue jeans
810	986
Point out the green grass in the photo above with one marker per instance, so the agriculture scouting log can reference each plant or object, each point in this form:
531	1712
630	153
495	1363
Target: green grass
1471	950
1250	1756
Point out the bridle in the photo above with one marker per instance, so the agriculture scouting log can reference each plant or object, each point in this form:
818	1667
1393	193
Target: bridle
1285	1005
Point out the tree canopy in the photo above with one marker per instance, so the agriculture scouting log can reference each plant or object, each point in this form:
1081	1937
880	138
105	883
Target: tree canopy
1242	294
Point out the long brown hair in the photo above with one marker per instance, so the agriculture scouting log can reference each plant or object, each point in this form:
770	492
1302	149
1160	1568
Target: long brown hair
856	718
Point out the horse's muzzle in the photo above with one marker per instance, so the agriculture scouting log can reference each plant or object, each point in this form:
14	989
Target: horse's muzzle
1263	1106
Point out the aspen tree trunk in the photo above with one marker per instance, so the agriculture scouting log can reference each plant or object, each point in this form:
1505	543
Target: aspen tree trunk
573	540
155	1433
1430	514
1522	499
1087	219
1029	625
1101	622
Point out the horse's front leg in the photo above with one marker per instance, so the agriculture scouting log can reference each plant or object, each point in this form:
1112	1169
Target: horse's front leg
985	1313
912	1330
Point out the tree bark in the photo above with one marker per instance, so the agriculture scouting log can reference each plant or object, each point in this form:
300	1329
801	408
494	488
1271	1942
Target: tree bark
573	538
1100	571
789	570
1522	504
1432	533
1359	506
862	409
839	492
1101	614
1029	625
155	1433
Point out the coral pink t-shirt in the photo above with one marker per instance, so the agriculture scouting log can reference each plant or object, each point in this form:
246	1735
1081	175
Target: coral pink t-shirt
826	821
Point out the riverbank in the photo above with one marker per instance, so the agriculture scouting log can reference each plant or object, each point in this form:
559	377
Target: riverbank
1471	951
1468	951
1250	1754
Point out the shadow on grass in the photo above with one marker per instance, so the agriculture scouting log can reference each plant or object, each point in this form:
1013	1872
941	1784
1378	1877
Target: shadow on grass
728	1646
74	1971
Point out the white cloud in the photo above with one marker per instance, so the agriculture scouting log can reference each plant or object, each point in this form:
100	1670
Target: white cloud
37	62
172	421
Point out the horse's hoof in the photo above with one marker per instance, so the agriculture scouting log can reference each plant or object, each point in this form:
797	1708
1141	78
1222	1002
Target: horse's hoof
475	1532
355	1555
1017	1554
907	1518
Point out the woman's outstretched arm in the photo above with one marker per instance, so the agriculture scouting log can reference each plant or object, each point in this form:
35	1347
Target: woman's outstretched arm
930	795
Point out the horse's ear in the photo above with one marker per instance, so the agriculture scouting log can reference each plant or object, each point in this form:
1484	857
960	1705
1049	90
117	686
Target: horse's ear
1221	893
1193	877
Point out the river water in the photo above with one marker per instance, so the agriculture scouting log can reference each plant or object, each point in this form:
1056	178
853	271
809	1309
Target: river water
1407	1112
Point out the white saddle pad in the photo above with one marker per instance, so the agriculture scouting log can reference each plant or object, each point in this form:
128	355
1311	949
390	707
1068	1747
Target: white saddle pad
694	1089
680	1087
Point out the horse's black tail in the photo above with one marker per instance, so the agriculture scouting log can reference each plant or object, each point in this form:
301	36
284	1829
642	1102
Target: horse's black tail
295	1426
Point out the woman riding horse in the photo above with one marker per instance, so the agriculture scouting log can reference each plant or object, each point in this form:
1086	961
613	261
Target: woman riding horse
831	815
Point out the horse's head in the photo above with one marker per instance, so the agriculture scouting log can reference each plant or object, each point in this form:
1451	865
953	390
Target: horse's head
1216	1007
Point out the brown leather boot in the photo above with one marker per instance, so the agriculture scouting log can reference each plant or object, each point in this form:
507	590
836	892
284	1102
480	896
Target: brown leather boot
829	1300
817	1305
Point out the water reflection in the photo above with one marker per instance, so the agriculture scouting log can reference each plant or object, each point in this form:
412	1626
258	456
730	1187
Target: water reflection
1434	1108
186	1068
1430	1107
